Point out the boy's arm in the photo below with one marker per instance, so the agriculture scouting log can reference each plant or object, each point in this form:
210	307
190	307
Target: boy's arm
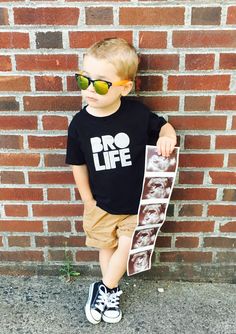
167	140
82	181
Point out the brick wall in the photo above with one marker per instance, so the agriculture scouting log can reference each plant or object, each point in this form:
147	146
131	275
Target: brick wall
187	73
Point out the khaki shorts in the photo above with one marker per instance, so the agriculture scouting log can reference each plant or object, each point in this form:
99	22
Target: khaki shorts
103	229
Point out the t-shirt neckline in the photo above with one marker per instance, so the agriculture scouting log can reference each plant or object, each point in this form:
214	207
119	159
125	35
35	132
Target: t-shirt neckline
108	117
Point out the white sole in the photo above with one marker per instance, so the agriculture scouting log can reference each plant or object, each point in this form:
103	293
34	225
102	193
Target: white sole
112	320
87	308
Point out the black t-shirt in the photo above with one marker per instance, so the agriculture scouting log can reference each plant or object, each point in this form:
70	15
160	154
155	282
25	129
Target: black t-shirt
113	148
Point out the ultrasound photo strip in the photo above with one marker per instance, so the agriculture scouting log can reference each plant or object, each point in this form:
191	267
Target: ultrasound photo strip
158	183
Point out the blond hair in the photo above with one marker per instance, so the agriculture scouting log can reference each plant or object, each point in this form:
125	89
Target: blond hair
119	53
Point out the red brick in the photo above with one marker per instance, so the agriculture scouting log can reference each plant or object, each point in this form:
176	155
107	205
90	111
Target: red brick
228	227
222	210
153	39
5	63
4	19
197	103
59	226
206	16
187	242
79	226
225	142
232	160
55	122
46	62
159	62
18	122
16	210
14	40
151	83
197	142
161	103
40	142
20	256
19	194
198	82
199	61
152	16
201	257
191	177
188	226
14	83
99	15
11	142
47	16
48	83
84	39
219	242
225	102
22	159
56	160
190	210
228	61
58	194
54	103
21	226
8	103
198	122
223	177
12	177
21	241
54	210
233	123
201	160
58	255
59	241
163	242
193	194
55	177
229	195
231	15
86	256
204	39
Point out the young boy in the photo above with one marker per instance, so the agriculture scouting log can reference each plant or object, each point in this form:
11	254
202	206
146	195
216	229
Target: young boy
106	148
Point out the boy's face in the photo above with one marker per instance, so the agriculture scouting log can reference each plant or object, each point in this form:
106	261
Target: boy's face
101	69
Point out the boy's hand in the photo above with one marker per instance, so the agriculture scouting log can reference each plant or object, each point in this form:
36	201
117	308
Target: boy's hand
166	145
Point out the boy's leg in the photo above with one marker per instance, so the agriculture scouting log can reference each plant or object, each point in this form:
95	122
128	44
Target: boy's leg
117	263
105	255
115	270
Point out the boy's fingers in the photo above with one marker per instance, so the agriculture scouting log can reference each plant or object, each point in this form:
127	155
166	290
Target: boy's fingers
158	149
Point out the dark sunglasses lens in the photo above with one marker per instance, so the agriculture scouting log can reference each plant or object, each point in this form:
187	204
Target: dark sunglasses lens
82	82
101	87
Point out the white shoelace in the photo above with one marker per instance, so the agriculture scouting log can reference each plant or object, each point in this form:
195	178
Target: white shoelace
113	301
102	299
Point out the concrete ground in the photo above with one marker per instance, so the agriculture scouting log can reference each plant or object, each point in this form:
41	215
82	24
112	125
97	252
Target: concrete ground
50	305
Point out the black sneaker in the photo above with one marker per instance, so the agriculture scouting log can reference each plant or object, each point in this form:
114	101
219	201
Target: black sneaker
97	300
112	313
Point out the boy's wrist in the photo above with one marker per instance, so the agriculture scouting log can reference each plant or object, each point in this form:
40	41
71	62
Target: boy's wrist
88	200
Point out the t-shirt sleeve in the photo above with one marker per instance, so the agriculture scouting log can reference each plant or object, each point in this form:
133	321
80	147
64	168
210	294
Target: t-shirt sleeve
74	154
155	124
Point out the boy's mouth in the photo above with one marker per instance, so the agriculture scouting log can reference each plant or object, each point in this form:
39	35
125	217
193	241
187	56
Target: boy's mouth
90	98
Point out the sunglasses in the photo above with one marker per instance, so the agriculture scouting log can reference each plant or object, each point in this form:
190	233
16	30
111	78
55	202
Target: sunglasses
101	87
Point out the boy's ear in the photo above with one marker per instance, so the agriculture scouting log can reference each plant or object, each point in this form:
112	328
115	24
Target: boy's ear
127	88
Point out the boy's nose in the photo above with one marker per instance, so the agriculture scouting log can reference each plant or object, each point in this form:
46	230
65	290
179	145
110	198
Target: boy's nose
91	88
